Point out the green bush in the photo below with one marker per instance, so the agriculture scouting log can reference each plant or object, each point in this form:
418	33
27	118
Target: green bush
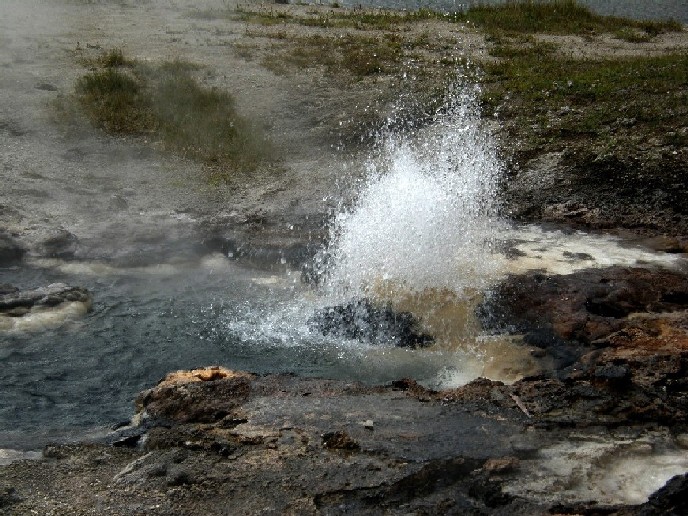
167	102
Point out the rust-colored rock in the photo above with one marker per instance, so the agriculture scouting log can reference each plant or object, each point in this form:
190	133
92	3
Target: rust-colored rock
479	390
204	374
500	465
200	395
588	305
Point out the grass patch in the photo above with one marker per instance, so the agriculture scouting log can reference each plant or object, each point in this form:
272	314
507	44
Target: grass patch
113	59
549	100
555	17
115	101
552	99
380	20
166	102
263	17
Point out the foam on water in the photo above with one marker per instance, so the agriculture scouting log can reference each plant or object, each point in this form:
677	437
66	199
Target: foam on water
605	468
559	252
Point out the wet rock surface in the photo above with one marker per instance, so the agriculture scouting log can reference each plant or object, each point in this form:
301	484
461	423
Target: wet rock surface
12	298
41	308
671	499
641	189
220	441
588	305
16	303
618	338
266	441
363	320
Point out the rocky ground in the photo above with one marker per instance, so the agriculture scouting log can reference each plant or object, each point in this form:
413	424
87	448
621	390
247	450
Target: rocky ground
226	442
611	405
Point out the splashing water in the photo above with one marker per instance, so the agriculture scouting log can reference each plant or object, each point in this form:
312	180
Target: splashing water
424	237
427	216
420	237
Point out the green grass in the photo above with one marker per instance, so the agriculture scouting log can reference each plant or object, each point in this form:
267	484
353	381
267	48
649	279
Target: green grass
380	20
167	103
115	101
263	17
113	59
551	99
555	17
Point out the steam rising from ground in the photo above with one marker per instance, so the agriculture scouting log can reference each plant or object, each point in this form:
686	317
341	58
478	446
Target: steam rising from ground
426	217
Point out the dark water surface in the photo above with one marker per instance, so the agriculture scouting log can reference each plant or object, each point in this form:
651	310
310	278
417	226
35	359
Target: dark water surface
60	384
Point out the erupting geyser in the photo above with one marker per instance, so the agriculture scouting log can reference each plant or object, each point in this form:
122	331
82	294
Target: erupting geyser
427	215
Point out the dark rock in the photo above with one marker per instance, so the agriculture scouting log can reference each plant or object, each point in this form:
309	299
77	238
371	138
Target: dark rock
670	500
413	388
339	441
612	373
11	251
159	470
608	367
49	296
201	395
6	288
562	353
360	319
584	306
178	477
442	486
674	297
60	243
8	496
488	491
642	192
604	388
127	441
